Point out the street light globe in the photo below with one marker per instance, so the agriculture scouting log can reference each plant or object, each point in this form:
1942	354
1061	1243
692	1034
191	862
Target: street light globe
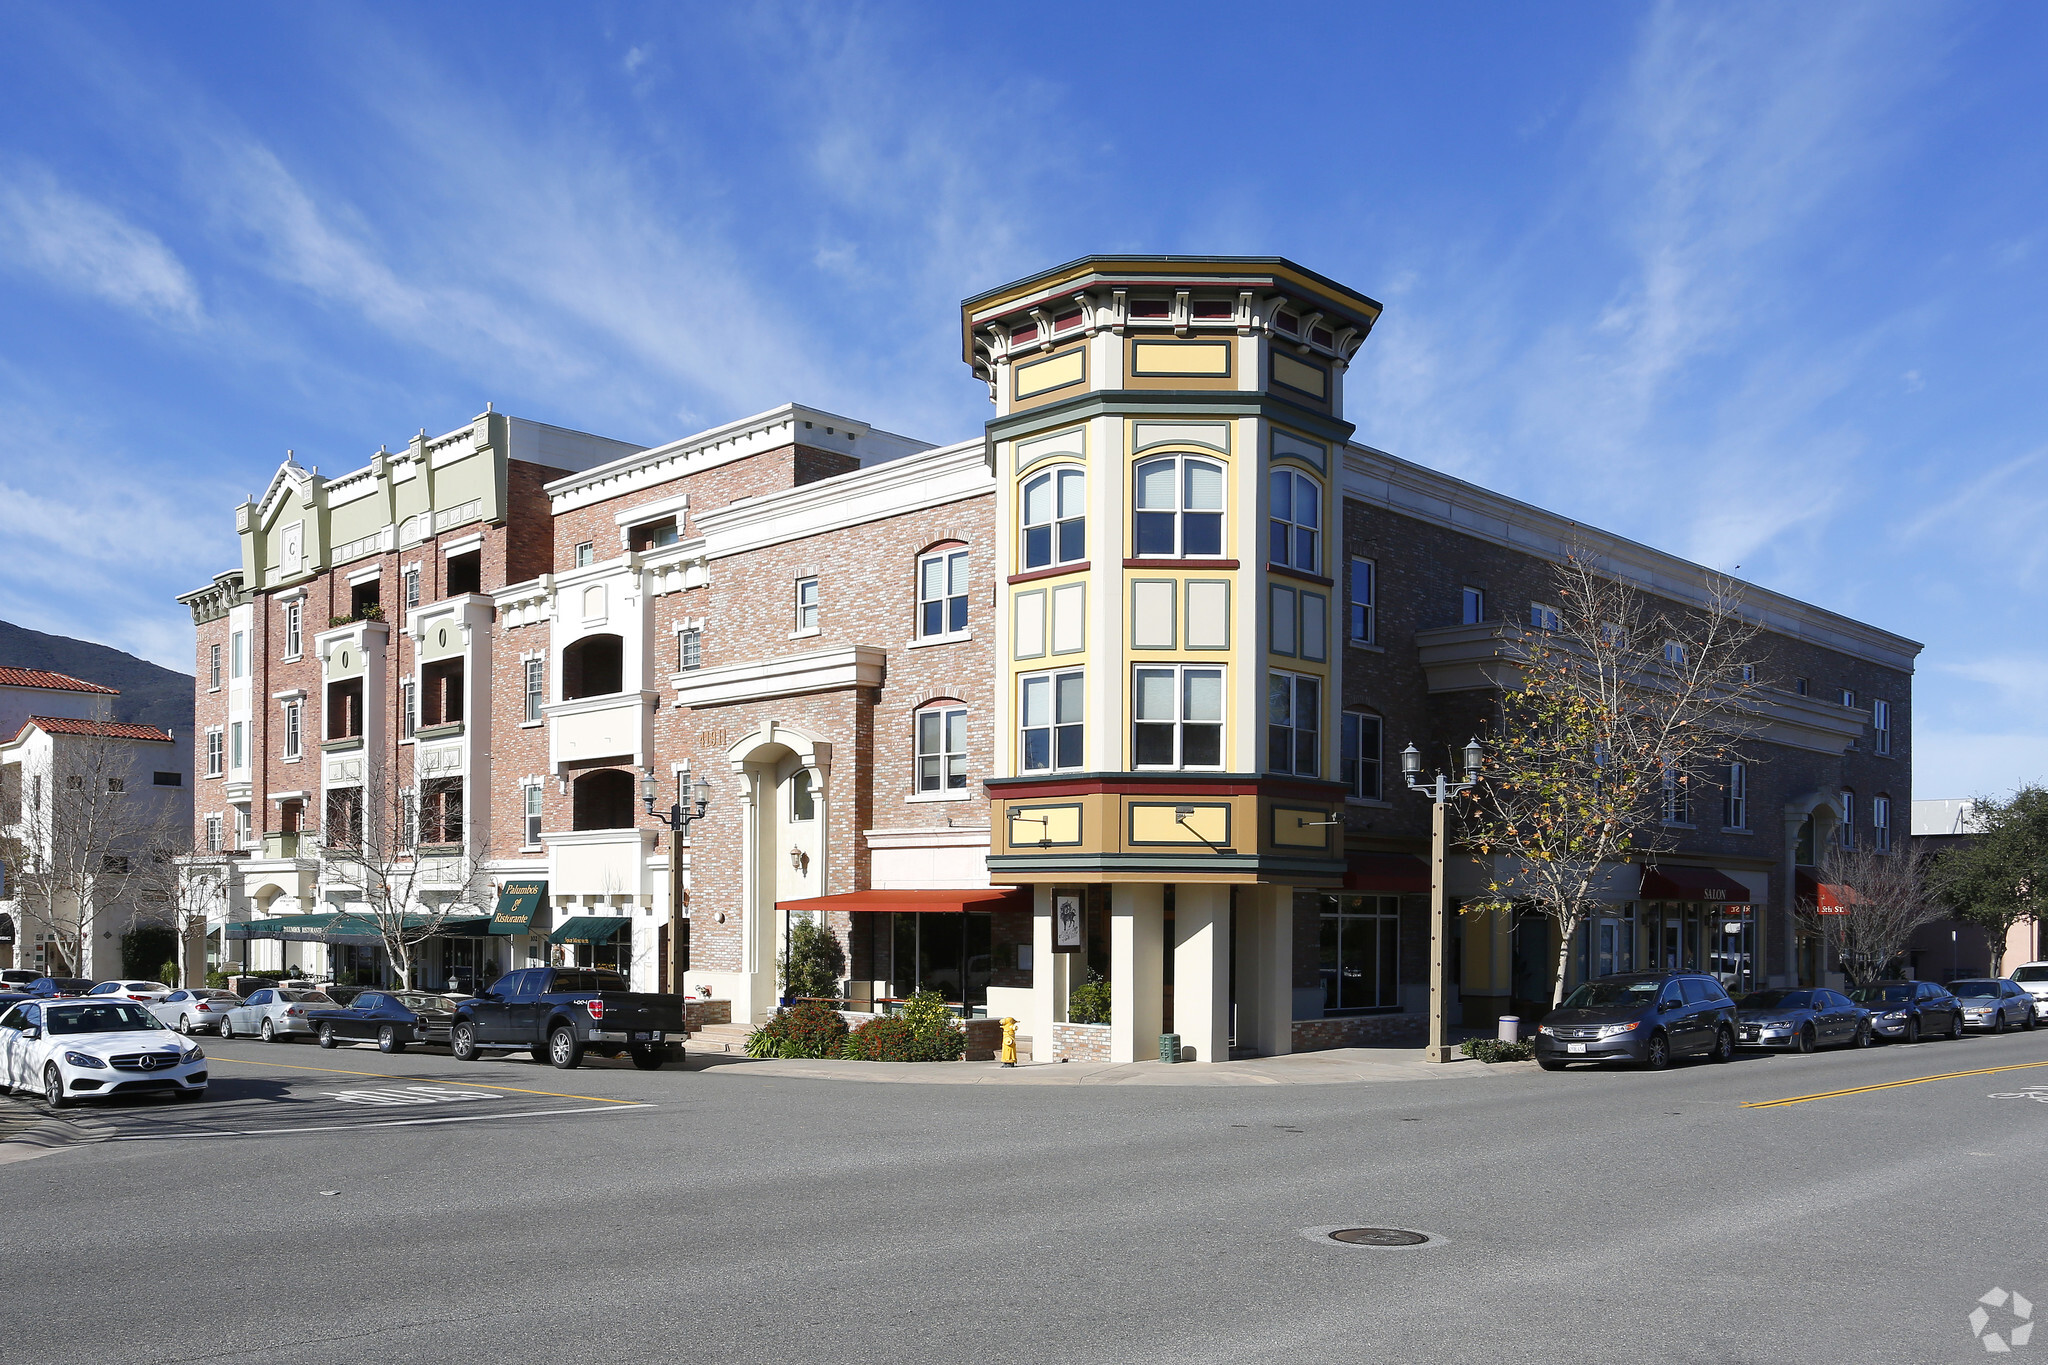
1411	761
1474	756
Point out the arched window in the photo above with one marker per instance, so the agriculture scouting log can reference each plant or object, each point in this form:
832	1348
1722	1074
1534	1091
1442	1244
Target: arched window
942	747
1296	521
593	667
1055	522
1180	508
803	805
602	799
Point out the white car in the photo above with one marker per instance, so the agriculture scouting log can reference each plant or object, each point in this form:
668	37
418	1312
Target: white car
195	1011
71	1050
275	1014
2033	979
145	991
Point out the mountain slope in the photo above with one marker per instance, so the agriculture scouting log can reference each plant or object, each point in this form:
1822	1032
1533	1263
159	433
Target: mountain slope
150	695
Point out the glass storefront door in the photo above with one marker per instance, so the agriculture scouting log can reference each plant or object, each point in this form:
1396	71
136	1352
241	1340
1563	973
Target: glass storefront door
1359	950
944	952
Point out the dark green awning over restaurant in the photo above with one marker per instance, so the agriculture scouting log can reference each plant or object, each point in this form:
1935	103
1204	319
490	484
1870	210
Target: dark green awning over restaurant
592	929
335	928
518	902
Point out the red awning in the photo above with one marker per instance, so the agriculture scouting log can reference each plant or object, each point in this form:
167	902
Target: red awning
1825	897
920	902
1389	872
1693	884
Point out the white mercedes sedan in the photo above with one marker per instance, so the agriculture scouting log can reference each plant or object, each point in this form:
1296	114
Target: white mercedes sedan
71	1050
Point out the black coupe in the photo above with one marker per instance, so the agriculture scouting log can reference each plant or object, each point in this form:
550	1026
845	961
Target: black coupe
390	1019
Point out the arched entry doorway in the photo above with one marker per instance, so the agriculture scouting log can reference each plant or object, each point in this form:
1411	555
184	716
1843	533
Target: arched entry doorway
785	810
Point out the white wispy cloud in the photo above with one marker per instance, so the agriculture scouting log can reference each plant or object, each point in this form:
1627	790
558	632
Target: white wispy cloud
59	235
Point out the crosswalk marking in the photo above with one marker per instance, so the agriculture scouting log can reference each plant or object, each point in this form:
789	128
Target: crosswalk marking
408	1094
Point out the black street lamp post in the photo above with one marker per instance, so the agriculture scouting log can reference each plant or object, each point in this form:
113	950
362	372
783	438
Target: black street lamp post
1440	790
691	800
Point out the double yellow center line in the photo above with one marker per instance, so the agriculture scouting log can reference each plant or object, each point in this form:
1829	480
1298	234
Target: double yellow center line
1887	1085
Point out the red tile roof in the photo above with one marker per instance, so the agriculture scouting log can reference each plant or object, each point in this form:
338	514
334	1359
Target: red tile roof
109	729
54	682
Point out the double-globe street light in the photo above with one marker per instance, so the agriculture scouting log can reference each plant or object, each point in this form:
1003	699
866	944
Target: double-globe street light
692	798
1440	791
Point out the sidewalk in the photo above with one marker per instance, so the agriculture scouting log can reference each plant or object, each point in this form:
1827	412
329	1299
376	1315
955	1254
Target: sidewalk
1337	1066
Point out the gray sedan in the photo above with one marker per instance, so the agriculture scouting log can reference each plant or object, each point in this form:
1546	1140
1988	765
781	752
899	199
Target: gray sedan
1802	1019
198	1010
275	1014
1994	1004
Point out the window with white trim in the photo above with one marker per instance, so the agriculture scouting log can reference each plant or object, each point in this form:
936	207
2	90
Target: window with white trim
214	761
294	638
1055	518
942	593
1294	724
243	838
1363	589
1848	699
1881	823
1471	606
1674	653
803	802
411	579
807	604
532	813
1735	797
1359	754
238	755
213	667
1847	832
1295	521
586	553
238	655
408	708
1049	714
294	734
1880	726
213	834
689	649
1542	616
1179	505
1677	800
941	748
536	686
1177	717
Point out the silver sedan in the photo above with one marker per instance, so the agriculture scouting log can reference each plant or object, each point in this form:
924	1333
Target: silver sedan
275	1014
1994	1004
199	1010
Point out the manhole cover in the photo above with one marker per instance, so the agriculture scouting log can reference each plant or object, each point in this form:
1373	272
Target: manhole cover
1379	1237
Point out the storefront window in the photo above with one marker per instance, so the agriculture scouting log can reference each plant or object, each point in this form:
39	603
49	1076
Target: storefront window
944	952
1359	951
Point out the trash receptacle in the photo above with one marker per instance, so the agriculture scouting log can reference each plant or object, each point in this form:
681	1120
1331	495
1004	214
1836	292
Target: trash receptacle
1169	1047
1510	1028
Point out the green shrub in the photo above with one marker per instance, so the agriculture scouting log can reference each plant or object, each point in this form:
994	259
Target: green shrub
813	962
1088	1003
144	948
168	974
925	1031
807	1029
1494	1050
216	980
881	1040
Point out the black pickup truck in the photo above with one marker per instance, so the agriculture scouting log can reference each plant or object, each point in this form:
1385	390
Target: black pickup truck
559	1013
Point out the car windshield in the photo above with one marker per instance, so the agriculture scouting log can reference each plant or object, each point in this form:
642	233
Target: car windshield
144	986
1778	1000
1873	995
1600	995
2036	972
427	1004
305	997
1974	990
111	1017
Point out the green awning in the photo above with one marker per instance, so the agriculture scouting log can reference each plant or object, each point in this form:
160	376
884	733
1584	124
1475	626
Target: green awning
518	902
289	928
591	929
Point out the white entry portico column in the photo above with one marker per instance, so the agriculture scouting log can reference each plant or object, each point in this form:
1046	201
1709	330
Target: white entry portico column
1265	970
1137	969
1201	970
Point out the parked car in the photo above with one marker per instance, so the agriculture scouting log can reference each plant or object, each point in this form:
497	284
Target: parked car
1801	1019
275	1014
16	978
557	1013
141	991
1993	1004
195	1011
1910	1010
90	1049
391	1019
57	987
1643	1017
2032	977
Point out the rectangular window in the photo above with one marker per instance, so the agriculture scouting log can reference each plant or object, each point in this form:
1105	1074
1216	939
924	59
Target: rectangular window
1848	698
1472	606
1749	673
532	795
1049	714
1881	726
294	739
1282	620
465	573
1179	511
238	758
293	636
168	780
408	708
1677	801
213	751
654	535
344	820
238	655
1360	754
807	604
1294	710
1542	617
586	552
1362	590
1674	653
1360	950
441	692
242	838
1847	833
942	749
690	649
412	588
345	709
1735	798
213	834
408	819
213	667
1881	823
942	593
1295	527
440	817
536	677
1801	686
1055	519
1177	718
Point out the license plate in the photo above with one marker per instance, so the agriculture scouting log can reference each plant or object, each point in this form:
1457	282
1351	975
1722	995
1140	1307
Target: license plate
642	1036
1574	1047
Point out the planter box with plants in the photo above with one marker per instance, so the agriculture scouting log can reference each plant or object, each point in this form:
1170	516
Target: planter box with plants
923	1031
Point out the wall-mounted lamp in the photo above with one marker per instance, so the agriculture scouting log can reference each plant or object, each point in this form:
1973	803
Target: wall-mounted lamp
799	859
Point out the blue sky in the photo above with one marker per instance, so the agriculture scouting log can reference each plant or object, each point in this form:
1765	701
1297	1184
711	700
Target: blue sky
1760	284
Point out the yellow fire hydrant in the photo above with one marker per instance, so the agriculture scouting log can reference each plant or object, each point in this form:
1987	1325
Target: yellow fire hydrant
1009	1042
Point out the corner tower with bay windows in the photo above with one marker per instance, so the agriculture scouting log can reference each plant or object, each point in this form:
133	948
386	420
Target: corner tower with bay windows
1167	438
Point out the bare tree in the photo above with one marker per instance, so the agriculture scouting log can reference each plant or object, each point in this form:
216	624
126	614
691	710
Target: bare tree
1617	712
1870	904
186	891
408	855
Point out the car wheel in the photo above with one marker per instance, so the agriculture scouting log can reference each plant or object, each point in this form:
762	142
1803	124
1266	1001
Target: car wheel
563	1049
1550	1063
1807	1041
227	1030
1955	1025
1657	1053
268	1031
646	1058
327	1038
185	1024
1912	1030
1724	1046
53	1088
462	1042
1998	1026
1862	1035
2027	1024
388	1040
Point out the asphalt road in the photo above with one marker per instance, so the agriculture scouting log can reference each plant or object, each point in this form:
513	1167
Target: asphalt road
347	1206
